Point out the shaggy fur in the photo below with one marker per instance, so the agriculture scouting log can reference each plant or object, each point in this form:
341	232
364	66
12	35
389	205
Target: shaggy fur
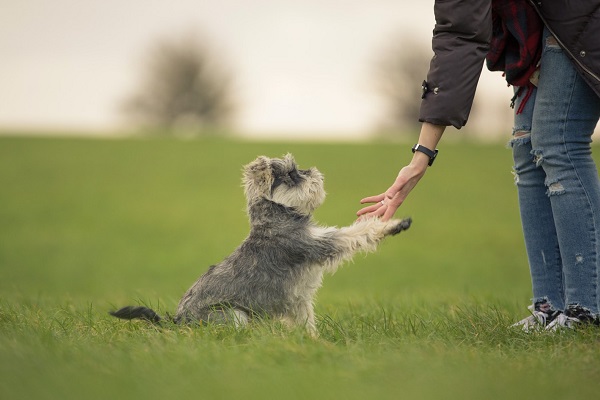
279	267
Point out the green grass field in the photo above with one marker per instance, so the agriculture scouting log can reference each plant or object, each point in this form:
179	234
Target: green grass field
90	225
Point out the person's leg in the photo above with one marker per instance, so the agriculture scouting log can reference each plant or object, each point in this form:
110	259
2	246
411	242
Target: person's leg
564	117
537	219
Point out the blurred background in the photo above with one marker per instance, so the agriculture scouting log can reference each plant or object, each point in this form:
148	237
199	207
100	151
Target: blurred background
87	226
311	69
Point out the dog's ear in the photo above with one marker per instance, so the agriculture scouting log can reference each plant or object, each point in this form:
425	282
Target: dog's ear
289	159
258	178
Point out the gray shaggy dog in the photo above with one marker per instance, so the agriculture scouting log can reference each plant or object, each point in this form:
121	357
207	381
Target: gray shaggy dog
279	267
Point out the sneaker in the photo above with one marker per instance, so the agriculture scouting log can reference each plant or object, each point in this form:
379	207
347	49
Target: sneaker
542	315
574	315
562	322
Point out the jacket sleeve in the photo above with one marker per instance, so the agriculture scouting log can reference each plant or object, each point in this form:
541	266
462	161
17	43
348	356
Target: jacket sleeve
460	43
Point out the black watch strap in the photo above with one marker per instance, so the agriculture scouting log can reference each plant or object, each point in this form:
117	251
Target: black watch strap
432	154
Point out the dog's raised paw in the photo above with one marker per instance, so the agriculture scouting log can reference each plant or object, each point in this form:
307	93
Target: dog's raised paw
400	226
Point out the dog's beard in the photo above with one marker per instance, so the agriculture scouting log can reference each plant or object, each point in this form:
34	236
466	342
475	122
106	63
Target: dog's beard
304	197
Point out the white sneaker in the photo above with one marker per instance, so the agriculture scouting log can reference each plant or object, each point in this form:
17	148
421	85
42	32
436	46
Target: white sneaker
537	320
562	322
541	316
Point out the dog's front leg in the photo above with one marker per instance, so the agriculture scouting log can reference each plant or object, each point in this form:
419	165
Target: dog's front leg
363	235
302	315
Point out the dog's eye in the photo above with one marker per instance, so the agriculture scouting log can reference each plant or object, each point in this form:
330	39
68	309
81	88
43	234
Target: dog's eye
294	176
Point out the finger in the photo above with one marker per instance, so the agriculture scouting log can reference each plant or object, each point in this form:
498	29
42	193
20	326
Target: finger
373	199
392	192
393	205
374	211
369	209
389	212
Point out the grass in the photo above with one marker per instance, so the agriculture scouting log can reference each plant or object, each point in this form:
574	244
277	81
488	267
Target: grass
89	225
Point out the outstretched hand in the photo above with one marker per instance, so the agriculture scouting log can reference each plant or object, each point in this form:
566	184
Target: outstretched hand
388	202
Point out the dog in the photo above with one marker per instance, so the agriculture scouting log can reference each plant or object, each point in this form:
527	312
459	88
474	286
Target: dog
279	267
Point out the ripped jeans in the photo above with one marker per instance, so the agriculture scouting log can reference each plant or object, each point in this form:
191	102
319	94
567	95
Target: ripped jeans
558	184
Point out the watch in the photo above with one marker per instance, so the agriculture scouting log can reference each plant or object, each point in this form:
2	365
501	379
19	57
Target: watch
432	154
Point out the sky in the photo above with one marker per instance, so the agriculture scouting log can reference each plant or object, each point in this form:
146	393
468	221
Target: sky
301	67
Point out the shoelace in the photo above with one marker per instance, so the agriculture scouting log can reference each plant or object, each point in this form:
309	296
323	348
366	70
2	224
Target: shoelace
562	321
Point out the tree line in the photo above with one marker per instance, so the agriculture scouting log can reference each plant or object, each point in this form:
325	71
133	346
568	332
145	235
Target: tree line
186	88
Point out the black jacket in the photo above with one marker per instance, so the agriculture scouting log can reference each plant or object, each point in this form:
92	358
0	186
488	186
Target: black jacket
461	41
576	26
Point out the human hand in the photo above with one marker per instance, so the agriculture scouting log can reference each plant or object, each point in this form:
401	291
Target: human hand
388	202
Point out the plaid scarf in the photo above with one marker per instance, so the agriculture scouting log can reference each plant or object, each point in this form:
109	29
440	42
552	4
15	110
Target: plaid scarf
515	47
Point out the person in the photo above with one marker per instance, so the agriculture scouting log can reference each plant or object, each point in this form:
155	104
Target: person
550	53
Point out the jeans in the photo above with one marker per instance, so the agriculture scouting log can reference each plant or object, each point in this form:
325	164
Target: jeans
557	183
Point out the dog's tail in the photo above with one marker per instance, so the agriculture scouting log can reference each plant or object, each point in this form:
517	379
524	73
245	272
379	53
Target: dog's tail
133	312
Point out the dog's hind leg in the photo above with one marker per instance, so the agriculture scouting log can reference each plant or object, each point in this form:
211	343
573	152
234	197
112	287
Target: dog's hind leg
228	316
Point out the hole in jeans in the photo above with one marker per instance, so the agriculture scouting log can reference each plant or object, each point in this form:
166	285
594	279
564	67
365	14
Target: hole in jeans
520	134
552	42
538	157
556	188
520	137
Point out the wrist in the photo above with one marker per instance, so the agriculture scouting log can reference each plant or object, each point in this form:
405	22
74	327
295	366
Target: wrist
431	154
420	161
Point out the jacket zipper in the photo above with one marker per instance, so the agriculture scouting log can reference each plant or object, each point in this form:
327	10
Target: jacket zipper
533	3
